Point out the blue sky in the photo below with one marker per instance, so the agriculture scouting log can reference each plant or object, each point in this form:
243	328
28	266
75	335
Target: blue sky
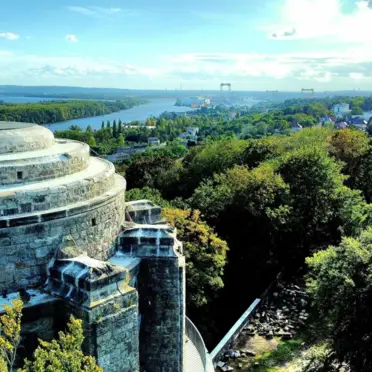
158	44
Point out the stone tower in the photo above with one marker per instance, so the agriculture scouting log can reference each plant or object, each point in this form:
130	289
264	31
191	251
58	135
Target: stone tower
50	189
68	238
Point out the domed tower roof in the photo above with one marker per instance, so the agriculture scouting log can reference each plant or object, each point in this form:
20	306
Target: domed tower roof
21	137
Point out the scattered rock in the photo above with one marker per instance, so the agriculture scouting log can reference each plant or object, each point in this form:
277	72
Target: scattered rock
227	369
220	364
248	352
287	336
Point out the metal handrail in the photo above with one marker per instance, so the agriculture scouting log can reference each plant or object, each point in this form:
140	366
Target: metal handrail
196	338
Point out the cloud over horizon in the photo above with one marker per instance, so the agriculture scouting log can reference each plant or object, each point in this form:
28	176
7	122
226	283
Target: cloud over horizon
8	36
315	68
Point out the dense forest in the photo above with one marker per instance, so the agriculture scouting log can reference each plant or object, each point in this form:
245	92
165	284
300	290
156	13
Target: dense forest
55	111
275	201
249	207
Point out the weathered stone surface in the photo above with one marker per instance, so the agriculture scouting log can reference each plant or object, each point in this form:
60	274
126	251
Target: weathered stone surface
20	137
143	212
162	308
63	158
28	249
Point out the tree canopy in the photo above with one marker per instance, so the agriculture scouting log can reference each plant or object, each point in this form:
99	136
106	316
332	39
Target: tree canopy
340	285
54	111
205	255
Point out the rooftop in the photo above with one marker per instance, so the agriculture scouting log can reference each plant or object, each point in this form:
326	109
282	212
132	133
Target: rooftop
20	137
7	125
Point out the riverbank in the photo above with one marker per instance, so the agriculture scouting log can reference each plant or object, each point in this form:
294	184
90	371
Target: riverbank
153	107
57	111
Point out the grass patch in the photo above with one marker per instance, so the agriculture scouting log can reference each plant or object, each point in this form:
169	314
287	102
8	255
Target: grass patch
284	353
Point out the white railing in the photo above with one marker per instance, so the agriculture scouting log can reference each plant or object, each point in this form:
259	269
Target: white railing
195	337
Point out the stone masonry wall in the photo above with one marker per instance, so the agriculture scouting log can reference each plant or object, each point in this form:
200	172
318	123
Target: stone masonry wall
30	138
38	169
117	341
162	309
111	331
47	198
26	250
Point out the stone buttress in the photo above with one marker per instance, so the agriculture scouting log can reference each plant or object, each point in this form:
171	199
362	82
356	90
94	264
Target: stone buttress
161	289
98	293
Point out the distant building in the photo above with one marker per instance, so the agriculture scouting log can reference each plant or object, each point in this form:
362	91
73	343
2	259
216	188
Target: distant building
190	136
296	127
151	141
125	152
341	109
193	131
341	125
328	119
195	102
358	121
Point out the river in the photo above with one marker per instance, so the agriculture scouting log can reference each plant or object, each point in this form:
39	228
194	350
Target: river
155	107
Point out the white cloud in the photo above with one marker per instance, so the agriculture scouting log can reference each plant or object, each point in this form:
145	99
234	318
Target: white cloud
45	67
251	70
71	38
95	11
322	18
356	75
8	36
323	68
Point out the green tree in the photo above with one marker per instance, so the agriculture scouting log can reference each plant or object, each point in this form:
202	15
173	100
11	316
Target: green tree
103	125
245	206
357	111
64	354
91	140
215	157
145	169
147	193
340	286
114	130
315	201
10	334
205	255
349	146
108	124
263	149
120	127
121	141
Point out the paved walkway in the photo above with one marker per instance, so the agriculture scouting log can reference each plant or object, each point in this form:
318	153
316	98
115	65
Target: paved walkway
193	361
